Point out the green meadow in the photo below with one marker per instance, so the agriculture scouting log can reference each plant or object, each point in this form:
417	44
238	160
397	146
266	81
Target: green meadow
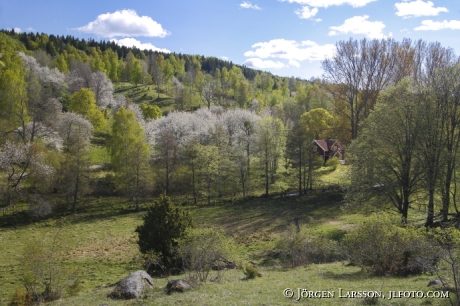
101	243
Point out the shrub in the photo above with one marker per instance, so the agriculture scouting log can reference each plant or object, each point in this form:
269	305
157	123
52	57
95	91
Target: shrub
333	163
292	247
382	247
43	272
201	249
39	207
250	272
75	286
164	224
21	297
448	263
300	248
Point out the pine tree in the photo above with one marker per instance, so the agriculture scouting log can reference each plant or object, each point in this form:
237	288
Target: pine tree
163	225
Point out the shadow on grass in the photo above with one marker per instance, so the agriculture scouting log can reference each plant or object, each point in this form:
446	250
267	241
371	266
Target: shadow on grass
272	215
351	276
269	215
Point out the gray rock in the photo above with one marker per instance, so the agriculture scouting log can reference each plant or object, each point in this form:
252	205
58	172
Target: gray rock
177	285
435	282
132	286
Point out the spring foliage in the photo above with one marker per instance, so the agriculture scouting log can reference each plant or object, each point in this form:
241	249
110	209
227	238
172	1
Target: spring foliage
382	247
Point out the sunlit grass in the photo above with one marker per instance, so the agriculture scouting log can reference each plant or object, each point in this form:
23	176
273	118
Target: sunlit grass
101	242
338	176
146	94
268	289
98	155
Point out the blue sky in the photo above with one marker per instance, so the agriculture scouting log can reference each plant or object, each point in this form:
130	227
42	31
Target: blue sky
285	37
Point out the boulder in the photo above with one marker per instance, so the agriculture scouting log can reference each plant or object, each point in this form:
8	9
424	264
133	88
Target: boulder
177	285
435	282
132	286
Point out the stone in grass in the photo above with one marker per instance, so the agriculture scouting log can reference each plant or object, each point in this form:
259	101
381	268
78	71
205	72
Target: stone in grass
435	283
177	285
132	286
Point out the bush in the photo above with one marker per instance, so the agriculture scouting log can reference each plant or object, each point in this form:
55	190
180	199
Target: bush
39	207
292	247
21	297
333	163
43	272
447	266
164	224
301	248
250	272
383	248
201	249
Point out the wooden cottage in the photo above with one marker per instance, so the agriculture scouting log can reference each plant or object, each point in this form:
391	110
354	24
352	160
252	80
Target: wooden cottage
329	148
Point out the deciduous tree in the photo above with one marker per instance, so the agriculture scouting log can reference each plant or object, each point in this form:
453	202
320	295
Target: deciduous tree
271	138
385	157
129	154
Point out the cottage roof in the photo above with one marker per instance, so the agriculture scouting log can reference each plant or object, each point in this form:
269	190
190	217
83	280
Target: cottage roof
327	145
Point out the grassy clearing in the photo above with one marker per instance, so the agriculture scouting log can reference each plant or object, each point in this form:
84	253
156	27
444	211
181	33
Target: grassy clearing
146	94
101	242
268	289
99	155
338	176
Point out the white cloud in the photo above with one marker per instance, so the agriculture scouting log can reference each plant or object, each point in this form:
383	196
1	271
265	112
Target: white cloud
30	29
124	23
291	50
360	25
294	63
16	29
258	63
418	8
224	58
430	25
248	5
131	42
327	3
306	13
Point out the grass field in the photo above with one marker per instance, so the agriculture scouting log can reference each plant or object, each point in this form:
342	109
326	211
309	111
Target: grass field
100	241
146	94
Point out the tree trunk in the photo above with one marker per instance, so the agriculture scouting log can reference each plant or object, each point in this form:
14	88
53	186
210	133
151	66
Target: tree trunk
430	210
75	194
266	173
193	184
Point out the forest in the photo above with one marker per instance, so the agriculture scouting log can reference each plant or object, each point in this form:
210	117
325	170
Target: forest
93	122
207	126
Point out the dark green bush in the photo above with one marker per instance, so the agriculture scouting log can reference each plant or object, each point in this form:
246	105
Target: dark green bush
164	224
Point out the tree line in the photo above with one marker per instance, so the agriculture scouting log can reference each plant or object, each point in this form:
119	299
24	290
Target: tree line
395	102
49	118
407	147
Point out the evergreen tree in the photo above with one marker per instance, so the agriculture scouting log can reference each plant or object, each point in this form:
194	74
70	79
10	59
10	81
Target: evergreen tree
164	224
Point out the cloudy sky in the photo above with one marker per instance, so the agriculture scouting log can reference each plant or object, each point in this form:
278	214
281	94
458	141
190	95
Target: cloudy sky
286	37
